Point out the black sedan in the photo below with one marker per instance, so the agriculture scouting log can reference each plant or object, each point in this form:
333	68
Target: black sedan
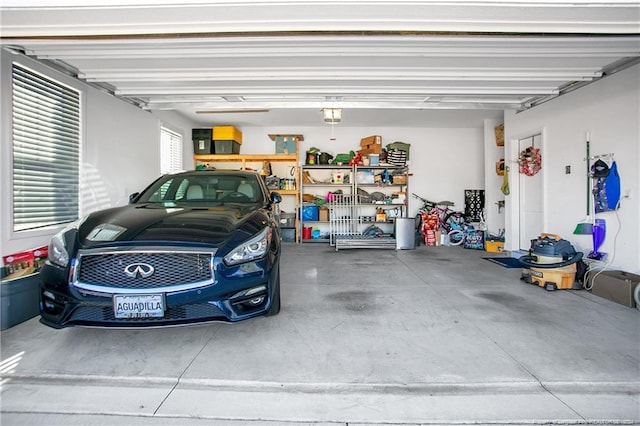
193	247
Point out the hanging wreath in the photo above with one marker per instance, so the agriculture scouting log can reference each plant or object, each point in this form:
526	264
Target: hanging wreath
530	161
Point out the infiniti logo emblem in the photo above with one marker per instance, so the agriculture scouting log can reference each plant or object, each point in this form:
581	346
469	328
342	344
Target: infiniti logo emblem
142	270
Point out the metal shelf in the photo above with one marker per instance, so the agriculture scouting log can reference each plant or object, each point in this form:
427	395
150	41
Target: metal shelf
345	224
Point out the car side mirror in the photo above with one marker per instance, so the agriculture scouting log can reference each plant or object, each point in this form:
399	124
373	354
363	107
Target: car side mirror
133	197
275	198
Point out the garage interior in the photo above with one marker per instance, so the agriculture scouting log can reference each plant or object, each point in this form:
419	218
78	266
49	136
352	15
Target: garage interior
433	335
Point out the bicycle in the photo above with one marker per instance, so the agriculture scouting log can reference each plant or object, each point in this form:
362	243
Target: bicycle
448	219
459	233
466	232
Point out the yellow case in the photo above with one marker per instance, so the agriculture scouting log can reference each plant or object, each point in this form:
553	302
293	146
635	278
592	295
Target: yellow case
227	133
494	246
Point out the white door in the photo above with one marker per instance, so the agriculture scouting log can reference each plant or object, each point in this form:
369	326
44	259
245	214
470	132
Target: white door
531	198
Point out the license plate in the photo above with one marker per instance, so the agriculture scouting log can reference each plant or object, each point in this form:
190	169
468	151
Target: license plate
138	305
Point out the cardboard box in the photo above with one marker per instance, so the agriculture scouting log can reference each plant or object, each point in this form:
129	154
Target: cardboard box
226	133
371	140
370	149
399	179
18	265
617	286
381	217
323	214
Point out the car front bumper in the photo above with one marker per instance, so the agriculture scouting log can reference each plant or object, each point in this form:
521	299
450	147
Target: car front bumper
238	293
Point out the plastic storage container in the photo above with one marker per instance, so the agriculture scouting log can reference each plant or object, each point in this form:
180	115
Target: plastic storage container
202	141
310	213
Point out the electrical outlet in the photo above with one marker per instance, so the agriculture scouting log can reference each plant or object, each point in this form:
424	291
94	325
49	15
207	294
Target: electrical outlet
567	170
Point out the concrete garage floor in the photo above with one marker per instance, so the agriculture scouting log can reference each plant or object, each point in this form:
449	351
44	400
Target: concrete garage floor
434	335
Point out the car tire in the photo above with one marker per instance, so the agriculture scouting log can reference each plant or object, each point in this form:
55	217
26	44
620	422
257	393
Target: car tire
274	309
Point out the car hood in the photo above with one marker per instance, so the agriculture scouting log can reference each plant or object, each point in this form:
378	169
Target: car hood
155	222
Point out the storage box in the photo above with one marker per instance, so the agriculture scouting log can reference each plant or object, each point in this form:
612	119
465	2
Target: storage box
286	144
365	176
19	300
202	142
370	149
288	235
310	213
227	133
226	147
371	140
494	246
399	179
474	240
323	214
617	286
287	220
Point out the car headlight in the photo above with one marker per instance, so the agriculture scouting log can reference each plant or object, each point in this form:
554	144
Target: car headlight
252	249
58	254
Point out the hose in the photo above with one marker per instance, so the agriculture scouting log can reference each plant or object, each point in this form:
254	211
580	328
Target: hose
528	261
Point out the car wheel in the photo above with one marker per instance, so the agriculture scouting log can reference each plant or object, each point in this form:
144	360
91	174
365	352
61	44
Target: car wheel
275	303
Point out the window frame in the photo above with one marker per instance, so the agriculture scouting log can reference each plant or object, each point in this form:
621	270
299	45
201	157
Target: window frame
77	139
178	148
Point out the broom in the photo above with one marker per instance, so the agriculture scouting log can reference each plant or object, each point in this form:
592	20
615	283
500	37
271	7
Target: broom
586	226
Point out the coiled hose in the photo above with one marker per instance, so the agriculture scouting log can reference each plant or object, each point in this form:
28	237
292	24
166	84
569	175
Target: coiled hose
530	259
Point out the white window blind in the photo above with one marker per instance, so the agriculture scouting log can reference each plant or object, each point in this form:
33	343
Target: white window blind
170	151
46	151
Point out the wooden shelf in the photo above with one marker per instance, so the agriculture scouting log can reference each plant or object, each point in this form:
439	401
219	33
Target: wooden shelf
243	159
285	191
246	157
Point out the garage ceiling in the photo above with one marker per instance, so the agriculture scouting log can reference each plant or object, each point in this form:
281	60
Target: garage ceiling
277	63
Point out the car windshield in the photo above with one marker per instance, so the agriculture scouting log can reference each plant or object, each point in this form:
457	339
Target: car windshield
204	189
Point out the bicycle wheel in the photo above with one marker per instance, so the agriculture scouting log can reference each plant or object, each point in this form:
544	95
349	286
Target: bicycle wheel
456	237
419	222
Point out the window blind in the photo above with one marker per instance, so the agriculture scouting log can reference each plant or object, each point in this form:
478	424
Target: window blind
170	151
46	151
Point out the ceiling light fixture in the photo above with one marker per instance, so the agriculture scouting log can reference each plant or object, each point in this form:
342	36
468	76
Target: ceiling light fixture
332	115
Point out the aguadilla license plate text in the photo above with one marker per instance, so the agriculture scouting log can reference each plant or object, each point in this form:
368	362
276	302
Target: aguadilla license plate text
138	306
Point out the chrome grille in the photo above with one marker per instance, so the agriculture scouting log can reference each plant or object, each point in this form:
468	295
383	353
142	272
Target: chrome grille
171	271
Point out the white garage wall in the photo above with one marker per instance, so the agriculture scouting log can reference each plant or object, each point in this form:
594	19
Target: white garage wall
494	218
444	161
610	111
120	152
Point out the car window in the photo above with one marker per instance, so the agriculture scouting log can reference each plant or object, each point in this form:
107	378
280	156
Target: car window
165	191
160	193
182	189
205	188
